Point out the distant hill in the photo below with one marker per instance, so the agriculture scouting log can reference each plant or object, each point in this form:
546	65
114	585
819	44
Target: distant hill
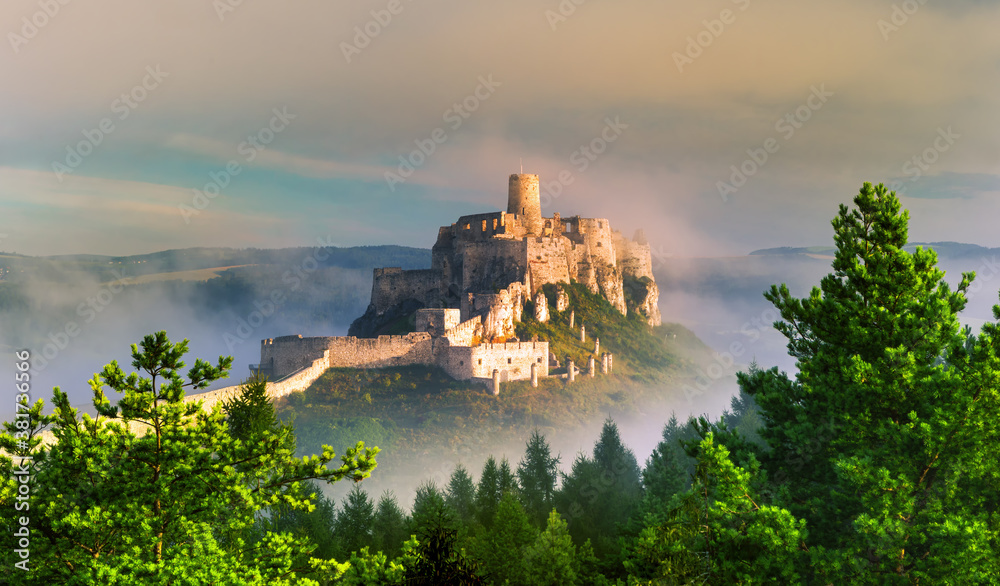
944	249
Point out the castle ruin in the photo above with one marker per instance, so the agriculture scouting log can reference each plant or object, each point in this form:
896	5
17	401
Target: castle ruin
484	268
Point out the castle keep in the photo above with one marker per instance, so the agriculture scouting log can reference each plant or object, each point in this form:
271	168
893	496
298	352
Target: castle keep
484	268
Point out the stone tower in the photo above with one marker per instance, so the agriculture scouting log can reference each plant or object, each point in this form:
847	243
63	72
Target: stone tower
523	199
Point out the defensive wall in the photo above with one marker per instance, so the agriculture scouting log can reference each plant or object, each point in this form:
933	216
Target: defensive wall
464	333
391	286
547	261
634	258
493	264
437	321
512	359
288	354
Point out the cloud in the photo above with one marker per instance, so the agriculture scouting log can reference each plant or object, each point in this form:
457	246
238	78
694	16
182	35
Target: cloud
949	185
110	216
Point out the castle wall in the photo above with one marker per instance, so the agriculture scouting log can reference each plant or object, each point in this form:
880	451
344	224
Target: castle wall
415	348
597	238
548	261
464	334
512	359
437	321
287	354
492	265
391	286
485	226
634	258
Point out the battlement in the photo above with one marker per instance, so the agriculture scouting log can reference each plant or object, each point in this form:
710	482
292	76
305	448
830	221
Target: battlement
464	334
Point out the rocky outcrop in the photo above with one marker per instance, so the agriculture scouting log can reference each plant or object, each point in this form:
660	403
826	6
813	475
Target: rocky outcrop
648	303
541	307
562	299
609	280
499	311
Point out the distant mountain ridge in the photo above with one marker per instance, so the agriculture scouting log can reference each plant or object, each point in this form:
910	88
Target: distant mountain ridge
948	249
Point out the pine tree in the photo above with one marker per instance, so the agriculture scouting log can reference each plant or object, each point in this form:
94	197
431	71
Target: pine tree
501	550
461	495
537	474
389	527
886	439
598	496
666	471
438	559
552	560
169	500
507	481
488	492
430	511
355	522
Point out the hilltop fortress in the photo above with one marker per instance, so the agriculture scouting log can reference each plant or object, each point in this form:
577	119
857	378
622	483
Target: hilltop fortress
484	268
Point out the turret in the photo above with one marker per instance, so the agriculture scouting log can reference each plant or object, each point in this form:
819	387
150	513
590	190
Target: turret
523	200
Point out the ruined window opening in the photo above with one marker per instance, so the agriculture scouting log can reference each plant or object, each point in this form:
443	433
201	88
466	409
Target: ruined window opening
599	244
480	362
522	211
494	223
461	363
508	361
468	226
539	359
484	225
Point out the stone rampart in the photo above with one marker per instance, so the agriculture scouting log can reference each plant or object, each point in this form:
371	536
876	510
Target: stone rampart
289	354
391	287
464	333
492	265
548	261
437	321
512	359
634	258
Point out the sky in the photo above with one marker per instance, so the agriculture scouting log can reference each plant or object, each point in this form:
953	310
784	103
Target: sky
718	127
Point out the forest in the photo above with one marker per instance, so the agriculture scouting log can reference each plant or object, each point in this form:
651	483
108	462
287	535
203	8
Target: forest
874	463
